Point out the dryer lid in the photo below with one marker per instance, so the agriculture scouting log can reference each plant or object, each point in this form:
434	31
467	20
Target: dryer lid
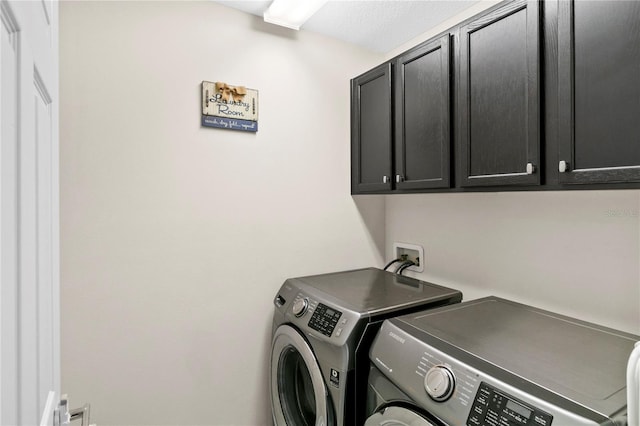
581	361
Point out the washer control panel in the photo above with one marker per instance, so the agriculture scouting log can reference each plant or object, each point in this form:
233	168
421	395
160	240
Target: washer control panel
494	408
324	319
300	306
319	317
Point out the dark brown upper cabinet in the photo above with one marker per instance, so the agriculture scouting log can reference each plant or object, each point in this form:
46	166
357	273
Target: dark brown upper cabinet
598	92
499	97
422	125
371	131
539	95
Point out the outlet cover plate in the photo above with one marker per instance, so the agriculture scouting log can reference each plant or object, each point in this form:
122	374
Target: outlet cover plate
412	251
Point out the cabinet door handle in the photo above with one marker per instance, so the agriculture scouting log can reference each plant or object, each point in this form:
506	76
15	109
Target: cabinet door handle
385	179
563	166
399	178
531	169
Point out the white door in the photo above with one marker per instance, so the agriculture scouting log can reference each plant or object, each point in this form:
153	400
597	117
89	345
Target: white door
29	244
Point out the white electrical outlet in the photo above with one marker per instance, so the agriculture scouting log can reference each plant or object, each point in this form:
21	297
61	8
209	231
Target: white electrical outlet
411	252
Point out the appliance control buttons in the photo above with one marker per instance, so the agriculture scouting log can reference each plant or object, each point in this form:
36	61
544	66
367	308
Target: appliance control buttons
324	319
439	383
300	307
493	407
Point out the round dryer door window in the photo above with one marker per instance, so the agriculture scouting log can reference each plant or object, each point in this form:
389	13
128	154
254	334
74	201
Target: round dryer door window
298	392
397	416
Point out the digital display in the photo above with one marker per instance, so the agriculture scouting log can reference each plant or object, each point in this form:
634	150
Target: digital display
525	412
329	312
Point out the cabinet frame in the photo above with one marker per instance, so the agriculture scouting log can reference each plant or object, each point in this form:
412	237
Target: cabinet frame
357	186
403	180
566	113
550	109
533	145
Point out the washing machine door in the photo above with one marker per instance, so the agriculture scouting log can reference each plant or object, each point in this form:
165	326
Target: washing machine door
298	392
398	416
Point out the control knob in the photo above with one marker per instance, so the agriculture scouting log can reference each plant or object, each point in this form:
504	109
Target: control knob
439	383
300	307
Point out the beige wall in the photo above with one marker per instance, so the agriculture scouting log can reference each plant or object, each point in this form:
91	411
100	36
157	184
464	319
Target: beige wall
575	253
473	10
175	238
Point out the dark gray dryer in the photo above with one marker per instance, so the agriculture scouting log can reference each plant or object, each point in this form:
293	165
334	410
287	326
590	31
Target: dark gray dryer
493	362
323	326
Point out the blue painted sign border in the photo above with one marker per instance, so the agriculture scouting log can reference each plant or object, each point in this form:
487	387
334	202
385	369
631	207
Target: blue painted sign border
229	123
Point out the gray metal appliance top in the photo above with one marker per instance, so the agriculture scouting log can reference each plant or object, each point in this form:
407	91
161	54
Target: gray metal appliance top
577	360
374	291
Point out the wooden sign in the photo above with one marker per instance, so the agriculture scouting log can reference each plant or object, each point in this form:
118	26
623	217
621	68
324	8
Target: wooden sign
229	107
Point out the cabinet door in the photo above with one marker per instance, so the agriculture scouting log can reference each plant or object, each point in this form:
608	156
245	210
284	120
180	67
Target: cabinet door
499	93
599	91
422	143
371	131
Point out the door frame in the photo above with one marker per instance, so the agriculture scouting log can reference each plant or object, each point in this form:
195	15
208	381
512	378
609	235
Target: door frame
29	228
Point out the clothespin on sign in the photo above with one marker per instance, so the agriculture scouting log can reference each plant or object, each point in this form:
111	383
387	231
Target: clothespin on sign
230	93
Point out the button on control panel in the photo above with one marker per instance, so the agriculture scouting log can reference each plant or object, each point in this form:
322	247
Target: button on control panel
325	319
494	408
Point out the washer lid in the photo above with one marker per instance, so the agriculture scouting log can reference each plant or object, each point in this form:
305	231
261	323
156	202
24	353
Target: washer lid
397	416
375	291
580	361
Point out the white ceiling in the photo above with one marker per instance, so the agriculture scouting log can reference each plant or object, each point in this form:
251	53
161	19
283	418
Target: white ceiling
378	25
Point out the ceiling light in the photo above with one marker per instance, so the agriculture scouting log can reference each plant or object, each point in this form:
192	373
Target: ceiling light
291	13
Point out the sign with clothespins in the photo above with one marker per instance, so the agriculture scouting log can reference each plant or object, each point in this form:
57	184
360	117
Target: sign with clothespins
229	107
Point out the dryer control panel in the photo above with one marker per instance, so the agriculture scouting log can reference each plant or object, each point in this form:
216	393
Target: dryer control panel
482	394
494	408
